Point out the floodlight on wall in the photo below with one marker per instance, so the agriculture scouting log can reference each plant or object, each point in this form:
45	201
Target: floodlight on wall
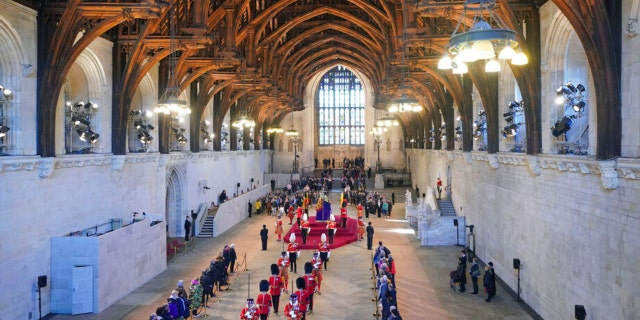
207	137
562	125
481	40
6	92
3	130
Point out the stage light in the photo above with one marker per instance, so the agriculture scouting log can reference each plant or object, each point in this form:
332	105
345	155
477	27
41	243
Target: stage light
578	106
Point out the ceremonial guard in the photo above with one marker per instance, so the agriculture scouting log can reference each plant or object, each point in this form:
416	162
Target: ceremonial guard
264	300
283	265
343	217
317	270
275	286
359	214
292	309
299	213
309	283
279	230
331	227
360	228
250	311
294	252
303	296
304	228
323	247
290	215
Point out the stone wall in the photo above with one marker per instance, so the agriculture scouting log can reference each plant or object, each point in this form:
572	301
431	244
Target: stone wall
573	222
51	197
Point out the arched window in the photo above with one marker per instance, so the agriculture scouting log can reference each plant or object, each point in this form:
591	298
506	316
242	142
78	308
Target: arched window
341	108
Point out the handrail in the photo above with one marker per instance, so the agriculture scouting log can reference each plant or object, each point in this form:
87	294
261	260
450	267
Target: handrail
377	314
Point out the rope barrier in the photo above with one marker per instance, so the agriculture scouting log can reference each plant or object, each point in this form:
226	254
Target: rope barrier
375	289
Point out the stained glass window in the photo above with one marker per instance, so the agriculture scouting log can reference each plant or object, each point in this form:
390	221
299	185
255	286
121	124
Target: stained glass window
341	108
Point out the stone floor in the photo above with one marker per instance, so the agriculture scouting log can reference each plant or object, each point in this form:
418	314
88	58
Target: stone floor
422	277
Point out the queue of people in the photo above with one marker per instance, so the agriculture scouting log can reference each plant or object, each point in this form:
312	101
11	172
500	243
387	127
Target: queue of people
386	296
459	276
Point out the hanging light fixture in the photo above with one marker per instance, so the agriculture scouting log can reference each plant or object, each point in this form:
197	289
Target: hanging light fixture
292	132
481	41
387	121
275	129
170	102
404	103
244	121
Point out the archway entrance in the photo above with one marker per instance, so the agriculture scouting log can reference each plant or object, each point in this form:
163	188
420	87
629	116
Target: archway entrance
174	202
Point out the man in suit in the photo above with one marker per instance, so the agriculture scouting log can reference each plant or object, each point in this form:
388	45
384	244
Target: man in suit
369	236
264	235
474	272
187	228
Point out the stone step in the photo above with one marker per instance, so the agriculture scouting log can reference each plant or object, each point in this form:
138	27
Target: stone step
446	208
207	228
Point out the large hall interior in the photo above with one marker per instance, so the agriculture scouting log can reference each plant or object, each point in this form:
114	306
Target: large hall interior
507	127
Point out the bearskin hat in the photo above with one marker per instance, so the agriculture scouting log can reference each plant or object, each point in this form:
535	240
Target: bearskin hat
264	285
300	283
308	267
274	269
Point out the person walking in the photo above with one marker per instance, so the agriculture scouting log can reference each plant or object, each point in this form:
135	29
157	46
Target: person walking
439	187
474	272
370	236
275	286
187	228
264	235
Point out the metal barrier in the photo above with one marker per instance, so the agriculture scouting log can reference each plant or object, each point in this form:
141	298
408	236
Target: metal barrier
377	314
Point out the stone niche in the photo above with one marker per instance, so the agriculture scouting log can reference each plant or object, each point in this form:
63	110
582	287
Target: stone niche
92	270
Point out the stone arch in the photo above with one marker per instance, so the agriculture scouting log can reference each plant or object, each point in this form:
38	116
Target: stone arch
14	64
175	201
557	62
144	99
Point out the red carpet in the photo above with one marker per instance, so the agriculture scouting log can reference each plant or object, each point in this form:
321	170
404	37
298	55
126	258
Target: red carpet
342	237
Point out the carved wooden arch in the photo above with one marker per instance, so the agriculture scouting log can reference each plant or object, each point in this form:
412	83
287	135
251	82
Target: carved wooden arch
310	60
598	24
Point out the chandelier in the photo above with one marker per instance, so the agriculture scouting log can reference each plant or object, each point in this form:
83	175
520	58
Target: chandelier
404	103
275	129
386	122
481	41
244	122
292	132
170	103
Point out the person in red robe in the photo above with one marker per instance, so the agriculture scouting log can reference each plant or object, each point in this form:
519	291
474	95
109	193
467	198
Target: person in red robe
283	266
250	311
317	270
292	309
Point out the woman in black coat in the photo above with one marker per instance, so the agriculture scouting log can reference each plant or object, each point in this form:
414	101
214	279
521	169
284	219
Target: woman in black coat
489	283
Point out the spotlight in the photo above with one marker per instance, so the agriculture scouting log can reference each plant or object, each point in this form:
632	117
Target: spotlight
138	124
578	106
79	104
3	130
571	87
93	137
508	114
508	119
561	126
481	113
90	105
134	113
514	105
150	127
6	92
82	133
580	87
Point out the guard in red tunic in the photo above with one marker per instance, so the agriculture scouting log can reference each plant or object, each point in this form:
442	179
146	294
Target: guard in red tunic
250	311
275	287
264	300
283	265
303	297
317	270
292	309
304	228
299	215
290	214
323	248
331	228
343	217
309	283
360	228
294	252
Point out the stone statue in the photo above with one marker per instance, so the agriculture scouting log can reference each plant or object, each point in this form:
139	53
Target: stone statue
407	196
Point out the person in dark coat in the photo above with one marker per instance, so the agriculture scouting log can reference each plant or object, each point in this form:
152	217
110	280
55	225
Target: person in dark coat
370	236
207	286
187	228
264	235
250	207
489	282
461	274
474	272
232	257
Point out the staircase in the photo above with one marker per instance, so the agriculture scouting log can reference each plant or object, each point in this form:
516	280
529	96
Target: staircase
446	207
207	228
